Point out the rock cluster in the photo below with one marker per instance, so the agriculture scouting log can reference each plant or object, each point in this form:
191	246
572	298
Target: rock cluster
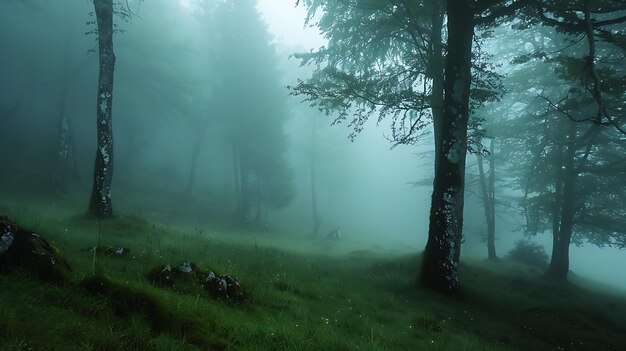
26	250
186	277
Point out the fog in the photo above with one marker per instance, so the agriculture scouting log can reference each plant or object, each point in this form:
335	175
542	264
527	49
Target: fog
191	87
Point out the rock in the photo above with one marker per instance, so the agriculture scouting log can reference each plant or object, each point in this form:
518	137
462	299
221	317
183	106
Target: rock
187	277
223	287
182	277
110	251
23	249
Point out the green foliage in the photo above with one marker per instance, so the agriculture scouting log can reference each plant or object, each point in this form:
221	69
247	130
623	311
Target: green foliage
380	62
384	60
530	253
542	158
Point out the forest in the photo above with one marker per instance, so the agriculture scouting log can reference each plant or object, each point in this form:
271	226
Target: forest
313	175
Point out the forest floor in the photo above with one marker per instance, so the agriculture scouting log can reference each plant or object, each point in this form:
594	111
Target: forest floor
297	298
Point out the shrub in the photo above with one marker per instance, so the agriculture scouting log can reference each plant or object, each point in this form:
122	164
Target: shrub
530	253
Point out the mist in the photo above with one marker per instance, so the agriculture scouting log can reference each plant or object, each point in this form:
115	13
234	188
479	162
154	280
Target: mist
277	125
367	188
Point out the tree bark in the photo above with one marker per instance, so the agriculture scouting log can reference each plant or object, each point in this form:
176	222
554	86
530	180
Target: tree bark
487	186
197	146
491	226
65	167
244	190
237	177
100	203
314	207
559	262
443	249
65	159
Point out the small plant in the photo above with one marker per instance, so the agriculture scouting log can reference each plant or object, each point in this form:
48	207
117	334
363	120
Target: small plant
530	253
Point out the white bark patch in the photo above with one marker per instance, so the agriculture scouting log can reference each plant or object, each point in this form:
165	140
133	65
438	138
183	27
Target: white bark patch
103	107
457	90
5	242
104	104
105	155
454	153
449	212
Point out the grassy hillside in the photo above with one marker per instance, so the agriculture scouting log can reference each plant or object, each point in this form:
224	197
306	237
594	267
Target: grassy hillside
357	300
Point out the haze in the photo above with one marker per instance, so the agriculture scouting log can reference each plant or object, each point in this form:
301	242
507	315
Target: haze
174	134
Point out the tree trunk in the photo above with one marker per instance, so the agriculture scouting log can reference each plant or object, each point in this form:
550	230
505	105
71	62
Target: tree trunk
244	193
259	200
237	176
100	203
443	249
314	207
487	186
556	202
559	263
65	161
197	146
491	226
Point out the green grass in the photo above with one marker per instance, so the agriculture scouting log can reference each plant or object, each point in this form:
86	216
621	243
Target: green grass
296	300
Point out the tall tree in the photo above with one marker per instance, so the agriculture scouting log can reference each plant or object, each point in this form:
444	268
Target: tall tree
385	58
254	110
487	187
100	203
594	124
443	249
66	168
315	213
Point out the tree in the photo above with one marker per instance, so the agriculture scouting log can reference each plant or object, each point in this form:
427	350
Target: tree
596	101
315	215
600	22
100	203
487	187
66	167
385	58
443	249
564	147
253	110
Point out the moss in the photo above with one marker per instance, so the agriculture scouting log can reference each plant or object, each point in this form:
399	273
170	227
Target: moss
32	253
127	301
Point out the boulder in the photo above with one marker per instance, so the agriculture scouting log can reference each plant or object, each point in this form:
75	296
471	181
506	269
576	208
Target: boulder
187	277
29	251
223	287
181	277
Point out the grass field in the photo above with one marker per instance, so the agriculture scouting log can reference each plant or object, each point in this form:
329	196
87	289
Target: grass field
303	294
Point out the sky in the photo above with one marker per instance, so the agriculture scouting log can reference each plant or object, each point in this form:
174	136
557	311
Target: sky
286	22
